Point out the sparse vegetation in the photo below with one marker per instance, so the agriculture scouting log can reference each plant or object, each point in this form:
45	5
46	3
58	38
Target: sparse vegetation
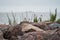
9	21
14	20
53	16
58	21
35	18
40	19
43	30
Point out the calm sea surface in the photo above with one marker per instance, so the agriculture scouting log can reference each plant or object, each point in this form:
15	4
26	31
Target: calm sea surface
21	15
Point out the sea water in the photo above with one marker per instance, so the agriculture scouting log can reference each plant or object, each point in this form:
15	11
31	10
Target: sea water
19	16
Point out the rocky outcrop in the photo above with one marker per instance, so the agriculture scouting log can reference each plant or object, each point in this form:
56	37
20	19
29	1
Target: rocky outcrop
55	36
32	36
41	25
27	26
1	35
13	33
53	26
29	31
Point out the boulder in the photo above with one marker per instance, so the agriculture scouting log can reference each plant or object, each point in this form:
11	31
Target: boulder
17	30
32	36
27	26
4	27
13	32
53	26
41	25
1	35
55	36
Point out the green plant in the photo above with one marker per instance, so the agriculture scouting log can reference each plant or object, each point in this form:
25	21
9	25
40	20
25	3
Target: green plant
35	18
47	20
14	20
9	21
40	19
53	16
58	21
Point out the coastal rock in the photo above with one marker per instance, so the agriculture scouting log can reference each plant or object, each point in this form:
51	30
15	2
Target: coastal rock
17	30
27	26
55	36
32	36
53	26
4	27
41	25
12	33
1	35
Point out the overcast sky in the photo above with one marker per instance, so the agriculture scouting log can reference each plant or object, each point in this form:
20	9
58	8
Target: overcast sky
29	5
